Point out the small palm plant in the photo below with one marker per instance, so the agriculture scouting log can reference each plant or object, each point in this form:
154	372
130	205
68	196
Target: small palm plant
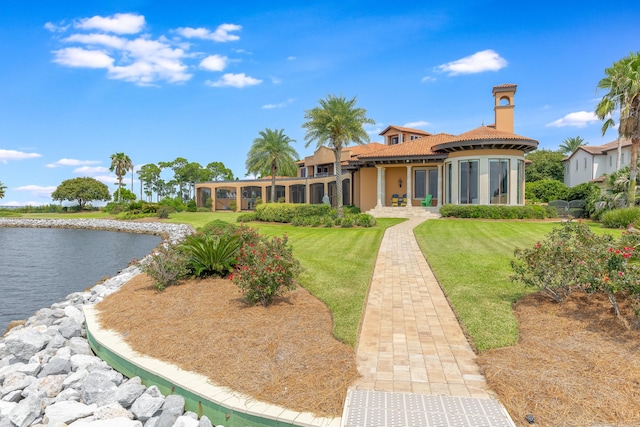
212	255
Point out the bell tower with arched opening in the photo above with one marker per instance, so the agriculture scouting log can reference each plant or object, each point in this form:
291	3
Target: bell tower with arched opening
503	109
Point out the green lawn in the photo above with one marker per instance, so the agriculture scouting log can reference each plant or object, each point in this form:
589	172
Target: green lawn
471	259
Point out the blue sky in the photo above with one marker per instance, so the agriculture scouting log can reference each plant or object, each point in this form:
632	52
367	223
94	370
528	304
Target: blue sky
82	80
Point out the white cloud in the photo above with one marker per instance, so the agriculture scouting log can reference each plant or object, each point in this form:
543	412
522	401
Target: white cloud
486	60
90	170
279	105
428	79
234	80
72	162
214	63
276	80
78	57
418	124
6	155
578	119
56	28
98	39
221	34
374	129
291	58
107	179
37	190
120	23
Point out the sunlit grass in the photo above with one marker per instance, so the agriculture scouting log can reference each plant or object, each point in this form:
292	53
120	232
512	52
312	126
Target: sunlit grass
471	259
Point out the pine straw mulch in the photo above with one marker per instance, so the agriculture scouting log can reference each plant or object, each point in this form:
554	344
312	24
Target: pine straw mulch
284	354
575	364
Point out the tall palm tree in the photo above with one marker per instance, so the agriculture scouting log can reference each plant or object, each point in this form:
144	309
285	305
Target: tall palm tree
336	123
571	144
120	165
2	188
272	154
622	81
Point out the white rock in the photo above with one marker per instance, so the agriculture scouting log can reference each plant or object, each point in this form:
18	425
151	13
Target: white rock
68	411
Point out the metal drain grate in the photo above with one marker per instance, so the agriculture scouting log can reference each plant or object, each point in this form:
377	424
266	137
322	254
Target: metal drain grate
366	408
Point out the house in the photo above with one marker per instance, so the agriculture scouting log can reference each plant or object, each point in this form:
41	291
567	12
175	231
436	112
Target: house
590	163
408	168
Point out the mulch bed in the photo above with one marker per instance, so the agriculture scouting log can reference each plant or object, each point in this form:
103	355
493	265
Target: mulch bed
575	364
284	354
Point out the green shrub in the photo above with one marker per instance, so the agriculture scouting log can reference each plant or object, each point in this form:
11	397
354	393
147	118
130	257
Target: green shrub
276	212
620	218
191	206
133	215
211	255
499	211
176	203
347	222
164	211
5	213
545	190
203	209
265	270
350	209
167	265
247	217
573	257
364	220
233	205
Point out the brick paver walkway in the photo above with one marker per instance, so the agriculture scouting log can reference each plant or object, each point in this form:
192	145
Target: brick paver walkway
411	341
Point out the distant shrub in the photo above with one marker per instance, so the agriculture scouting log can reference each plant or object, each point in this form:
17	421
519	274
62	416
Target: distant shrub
247	217
176	203
499	211
364	220
191	206
203	209
620	218
164	211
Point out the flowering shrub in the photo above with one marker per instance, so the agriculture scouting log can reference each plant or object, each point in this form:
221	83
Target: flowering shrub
265	269
573	257
166	265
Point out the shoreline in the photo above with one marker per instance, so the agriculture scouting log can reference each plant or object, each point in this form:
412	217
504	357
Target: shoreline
48	372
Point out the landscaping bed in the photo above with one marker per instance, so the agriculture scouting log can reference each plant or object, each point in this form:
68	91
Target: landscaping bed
575	364
283	354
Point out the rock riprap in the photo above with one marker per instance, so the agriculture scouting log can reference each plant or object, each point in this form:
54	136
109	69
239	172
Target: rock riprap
50	377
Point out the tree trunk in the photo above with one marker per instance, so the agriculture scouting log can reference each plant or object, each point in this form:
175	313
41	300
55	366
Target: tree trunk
633	171
338	171
619	153
274	169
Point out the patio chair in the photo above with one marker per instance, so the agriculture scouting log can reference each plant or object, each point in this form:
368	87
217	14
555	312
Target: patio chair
403	200
395	199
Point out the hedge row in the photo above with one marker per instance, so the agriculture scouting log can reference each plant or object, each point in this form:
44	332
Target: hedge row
285	212
499	212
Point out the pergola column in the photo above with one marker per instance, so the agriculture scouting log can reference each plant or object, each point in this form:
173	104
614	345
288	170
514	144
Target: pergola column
381	184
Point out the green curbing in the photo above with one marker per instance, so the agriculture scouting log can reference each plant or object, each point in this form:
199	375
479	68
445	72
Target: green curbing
217	414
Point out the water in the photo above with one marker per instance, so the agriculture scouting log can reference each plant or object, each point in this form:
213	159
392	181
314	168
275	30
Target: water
41	266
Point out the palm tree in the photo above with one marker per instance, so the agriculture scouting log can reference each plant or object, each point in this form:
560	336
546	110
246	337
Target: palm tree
271	154
2	188
571	144
120	164
336	123
622	81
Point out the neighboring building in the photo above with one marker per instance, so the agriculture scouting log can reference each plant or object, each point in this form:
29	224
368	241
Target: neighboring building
590	163
482	166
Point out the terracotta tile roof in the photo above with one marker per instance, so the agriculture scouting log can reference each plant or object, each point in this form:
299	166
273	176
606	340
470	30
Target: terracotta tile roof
486	132
417	147
505	86
357	150
404	129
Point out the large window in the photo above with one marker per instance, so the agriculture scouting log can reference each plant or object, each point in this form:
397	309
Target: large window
433	183
499	181
520	182
420	183
468	182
